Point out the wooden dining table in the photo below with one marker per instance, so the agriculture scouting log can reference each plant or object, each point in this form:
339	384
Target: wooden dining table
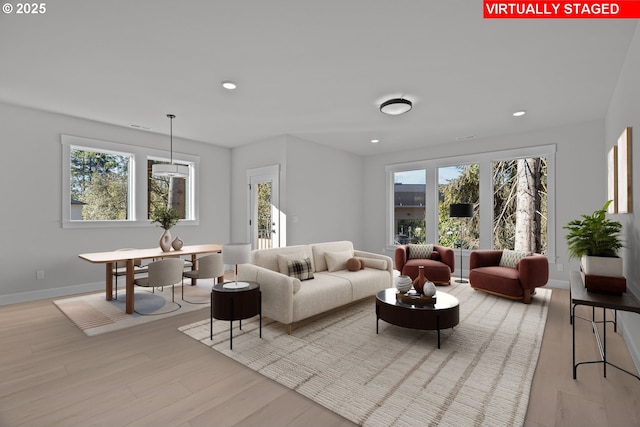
129	256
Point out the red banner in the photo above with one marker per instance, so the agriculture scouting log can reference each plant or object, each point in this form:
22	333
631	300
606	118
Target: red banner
628	9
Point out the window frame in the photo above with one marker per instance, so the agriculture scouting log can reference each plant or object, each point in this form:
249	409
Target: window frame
137	194
485	161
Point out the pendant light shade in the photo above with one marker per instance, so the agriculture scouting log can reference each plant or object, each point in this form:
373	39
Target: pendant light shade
396	106
170	170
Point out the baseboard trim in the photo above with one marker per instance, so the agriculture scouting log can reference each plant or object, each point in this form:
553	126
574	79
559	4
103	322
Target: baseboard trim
50	293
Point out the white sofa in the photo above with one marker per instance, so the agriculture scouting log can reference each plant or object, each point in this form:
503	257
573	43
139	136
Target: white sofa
288	299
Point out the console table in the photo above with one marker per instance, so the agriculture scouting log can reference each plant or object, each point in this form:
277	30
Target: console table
580	296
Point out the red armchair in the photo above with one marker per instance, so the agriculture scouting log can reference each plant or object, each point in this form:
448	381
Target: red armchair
519	283
437	268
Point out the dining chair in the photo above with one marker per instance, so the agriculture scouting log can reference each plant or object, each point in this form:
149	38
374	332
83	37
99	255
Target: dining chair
165	272
208	267
120	269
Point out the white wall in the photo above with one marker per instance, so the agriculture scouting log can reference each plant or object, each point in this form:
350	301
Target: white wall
624	111
320	189
32	235
580	178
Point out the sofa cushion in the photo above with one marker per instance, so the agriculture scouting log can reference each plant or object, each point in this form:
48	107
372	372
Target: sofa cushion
379	264
354	264
511	258
268	258
283	261
419	251
300	269
337	260
319	249
503	280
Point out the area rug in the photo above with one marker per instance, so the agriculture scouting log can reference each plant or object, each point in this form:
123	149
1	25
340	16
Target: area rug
94	315
481	375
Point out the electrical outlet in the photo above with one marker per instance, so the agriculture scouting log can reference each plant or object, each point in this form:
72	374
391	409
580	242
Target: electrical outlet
39	274
560	267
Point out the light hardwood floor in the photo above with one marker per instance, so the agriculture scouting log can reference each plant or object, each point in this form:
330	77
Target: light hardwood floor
51	374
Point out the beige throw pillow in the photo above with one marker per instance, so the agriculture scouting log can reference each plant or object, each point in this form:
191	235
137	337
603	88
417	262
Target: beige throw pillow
379	264
511	258
337	260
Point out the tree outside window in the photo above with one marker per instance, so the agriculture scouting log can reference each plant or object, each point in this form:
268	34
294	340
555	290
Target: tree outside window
458	184
99	185
520	204
166	192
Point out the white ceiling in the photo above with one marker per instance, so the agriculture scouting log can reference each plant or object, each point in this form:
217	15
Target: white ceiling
313	69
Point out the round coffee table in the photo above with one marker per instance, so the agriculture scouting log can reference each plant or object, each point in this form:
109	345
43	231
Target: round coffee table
444	314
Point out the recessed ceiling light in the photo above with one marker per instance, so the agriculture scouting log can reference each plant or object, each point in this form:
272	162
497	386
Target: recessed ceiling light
463	138
519	113
229	85
375	141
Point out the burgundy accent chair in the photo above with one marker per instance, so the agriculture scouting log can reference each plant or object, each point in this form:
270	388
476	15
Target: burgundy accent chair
437	268
518	283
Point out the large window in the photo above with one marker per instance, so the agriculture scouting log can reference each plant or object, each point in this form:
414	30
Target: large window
520	204
168	192
99	185
409	206
458	184
511	191
106	184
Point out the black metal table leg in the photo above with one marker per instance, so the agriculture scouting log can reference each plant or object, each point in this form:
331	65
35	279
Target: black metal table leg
231	327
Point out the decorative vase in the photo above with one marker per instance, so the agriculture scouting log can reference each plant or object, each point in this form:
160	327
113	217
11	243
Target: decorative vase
403	283
419	281
165	241
429	289
177	243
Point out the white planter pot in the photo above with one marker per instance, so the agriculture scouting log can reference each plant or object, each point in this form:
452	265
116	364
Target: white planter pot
602	266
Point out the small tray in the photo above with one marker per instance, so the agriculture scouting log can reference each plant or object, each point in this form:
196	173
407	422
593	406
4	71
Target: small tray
415	299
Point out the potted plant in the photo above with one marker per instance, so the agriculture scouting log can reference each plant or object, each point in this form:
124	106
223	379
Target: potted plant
165	218
595	240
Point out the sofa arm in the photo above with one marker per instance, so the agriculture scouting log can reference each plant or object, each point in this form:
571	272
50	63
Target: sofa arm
484	258
533	271
447	256
277	291
401	257
365	255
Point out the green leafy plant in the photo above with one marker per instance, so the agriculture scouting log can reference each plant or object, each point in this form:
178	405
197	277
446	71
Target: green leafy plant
594	235
165	217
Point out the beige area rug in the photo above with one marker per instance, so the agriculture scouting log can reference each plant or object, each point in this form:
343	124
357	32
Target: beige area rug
480	377
94	315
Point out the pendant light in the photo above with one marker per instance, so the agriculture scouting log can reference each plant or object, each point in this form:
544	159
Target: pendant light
170	170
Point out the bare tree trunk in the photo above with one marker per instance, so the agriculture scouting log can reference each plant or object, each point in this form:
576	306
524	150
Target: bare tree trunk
177	196
525	233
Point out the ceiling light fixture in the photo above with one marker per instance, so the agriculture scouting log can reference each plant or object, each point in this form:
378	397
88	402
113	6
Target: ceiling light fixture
375	141
519	113
229	85
396	106
170	170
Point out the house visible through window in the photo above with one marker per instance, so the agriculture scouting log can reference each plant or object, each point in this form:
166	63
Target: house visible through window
409	188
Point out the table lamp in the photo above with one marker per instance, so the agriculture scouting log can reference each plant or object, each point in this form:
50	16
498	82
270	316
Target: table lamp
234	254
461	210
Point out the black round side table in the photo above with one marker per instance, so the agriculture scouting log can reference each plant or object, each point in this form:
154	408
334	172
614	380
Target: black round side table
235	304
